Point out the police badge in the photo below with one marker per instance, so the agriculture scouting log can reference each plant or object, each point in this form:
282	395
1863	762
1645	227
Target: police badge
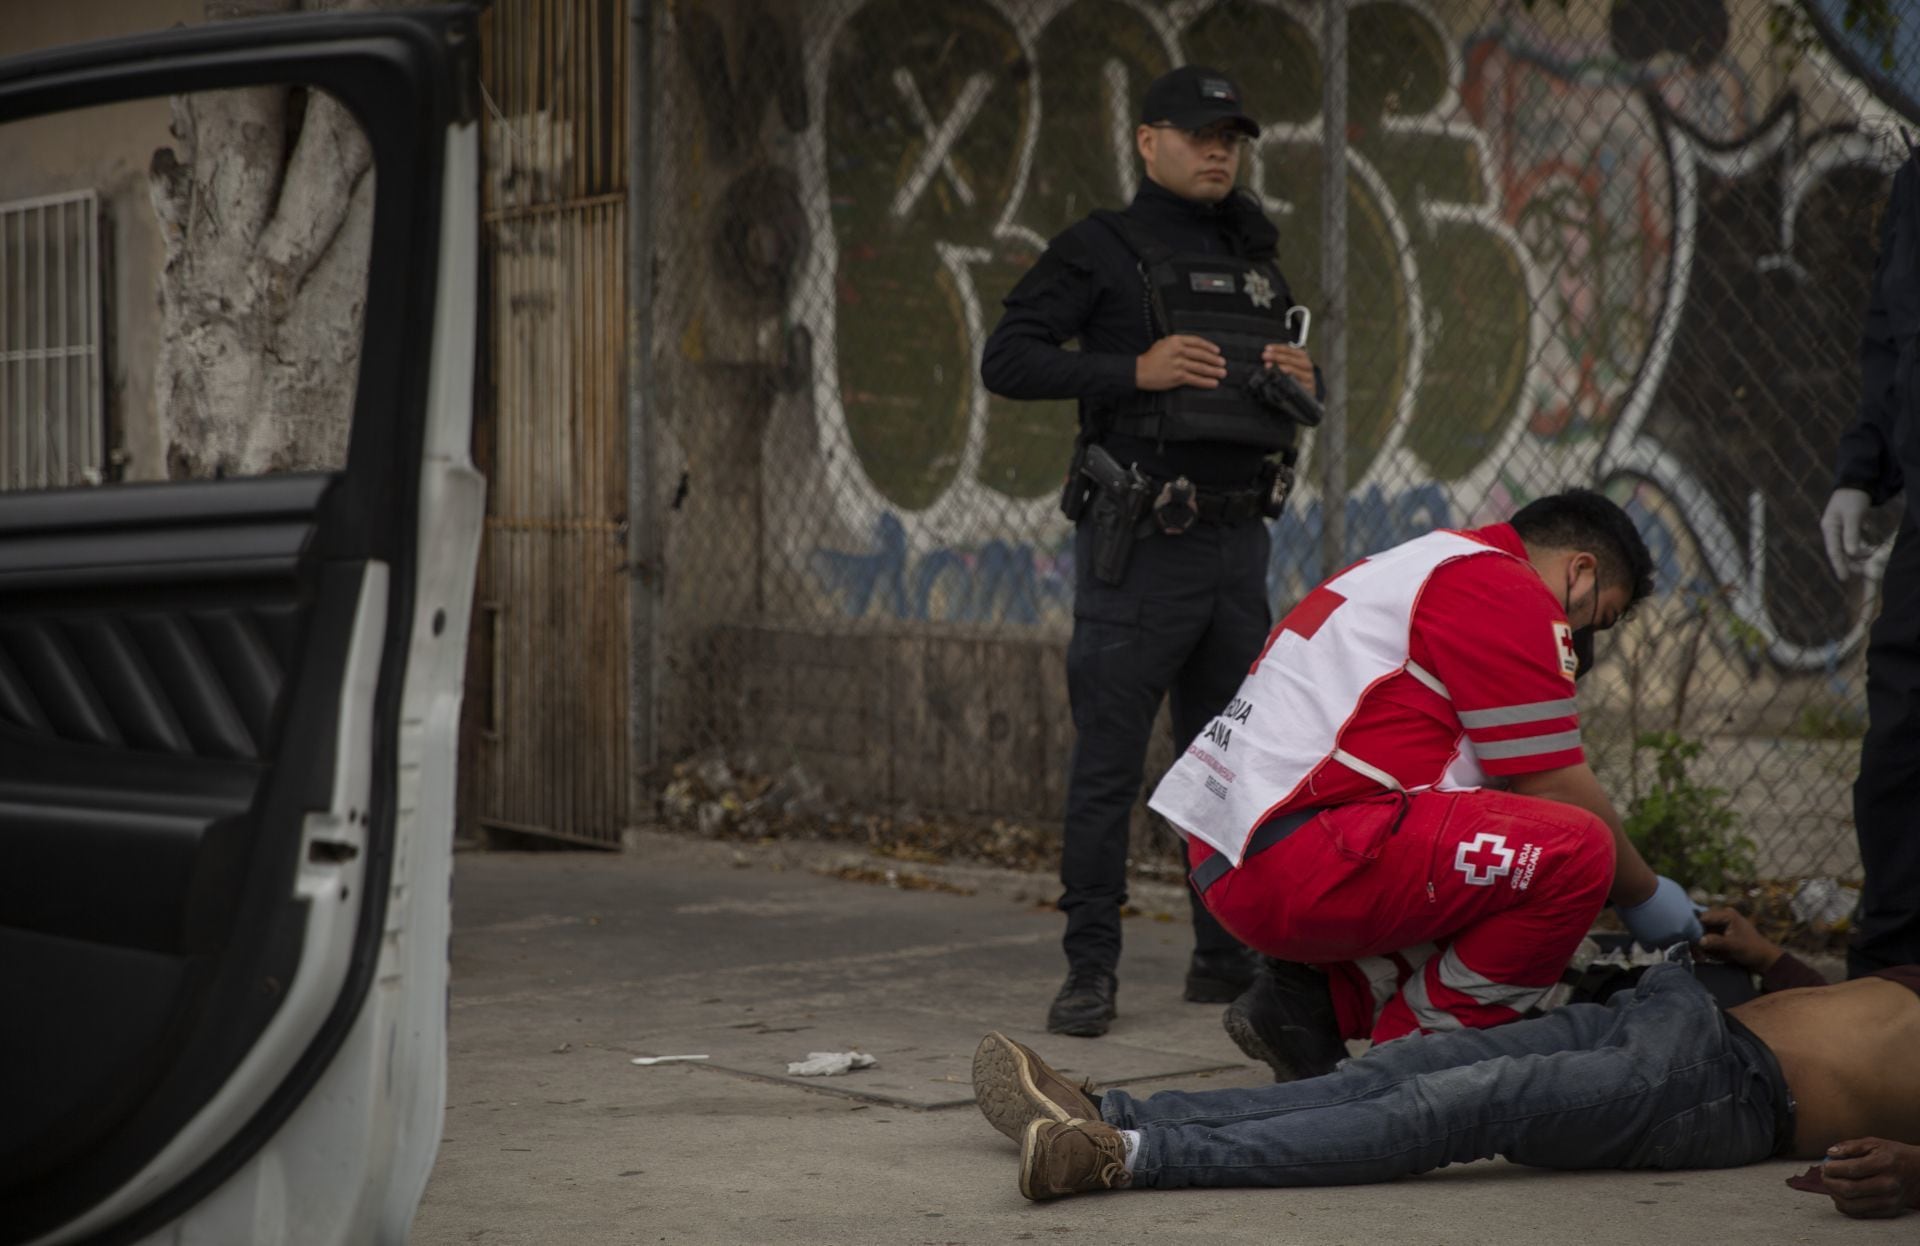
1260	289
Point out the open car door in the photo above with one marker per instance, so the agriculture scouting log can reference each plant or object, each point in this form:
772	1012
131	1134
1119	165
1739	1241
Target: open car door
228	711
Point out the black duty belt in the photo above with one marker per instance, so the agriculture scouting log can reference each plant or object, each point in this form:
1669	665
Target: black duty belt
1237	506
1215	506
1271	832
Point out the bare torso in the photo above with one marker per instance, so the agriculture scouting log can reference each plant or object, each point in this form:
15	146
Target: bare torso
1848	1053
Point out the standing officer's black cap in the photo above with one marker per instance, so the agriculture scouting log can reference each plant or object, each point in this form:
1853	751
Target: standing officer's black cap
1194	97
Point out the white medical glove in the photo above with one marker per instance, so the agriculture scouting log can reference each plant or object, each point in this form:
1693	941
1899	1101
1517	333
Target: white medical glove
1840	527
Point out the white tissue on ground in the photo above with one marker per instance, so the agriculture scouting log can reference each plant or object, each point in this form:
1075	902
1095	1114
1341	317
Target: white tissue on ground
829	1063
1822	902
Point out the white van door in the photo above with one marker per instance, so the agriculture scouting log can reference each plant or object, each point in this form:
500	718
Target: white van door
228	704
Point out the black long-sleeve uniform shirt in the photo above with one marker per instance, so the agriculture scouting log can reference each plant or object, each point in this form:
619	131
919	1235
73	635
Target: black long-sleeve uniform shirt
1088	286
1879	450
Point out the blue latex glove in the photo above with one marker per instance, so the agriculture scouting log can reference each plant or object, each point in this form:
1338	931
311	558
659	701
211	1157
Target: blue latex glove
1667	916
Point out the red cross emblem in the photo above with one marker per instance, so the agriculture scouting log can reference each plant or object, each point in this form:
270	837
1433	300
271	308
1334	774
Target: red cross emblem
1485	859
1563	644
1304	619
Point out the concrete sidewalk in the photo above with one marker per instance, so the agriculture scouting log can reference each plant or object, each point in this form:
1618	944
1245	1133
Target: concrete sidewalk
566	965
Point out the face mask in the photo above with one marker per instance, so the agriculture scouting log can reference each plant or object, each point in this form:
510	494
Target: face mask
1582	636
1582	651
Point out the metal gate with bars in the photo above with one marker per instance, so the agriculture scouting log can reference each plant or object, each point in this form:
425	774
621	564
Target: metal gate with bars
548	748
51	409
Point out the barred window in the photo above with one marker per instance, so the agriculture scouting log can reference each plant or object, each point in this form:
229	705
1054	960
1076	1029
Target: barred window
51	408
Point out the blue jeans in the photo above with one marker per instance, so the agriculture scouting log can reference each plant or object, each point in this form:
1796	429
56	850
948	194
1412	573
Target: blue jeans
1654	1078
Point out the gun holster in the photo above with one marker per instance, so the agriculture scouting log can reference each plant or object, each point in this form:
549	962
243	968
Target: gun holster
1078	488
1122	497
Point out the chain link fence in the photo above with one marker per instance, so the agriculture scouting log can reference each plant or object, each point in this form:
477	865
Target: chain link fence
1625	245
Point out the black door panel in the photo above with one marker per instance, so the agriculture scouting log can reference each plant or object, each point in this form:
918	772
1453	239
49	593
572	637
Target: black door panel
154	644
167	889
189	683
158	535
57	1107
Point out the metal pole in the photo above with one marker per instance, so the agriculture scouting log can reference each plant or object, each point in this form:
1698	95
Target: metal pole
643	554
1333	285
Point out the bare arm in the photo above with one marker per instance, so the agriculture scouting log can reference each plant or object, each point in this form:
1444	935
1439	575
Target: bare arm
1872	1178
1576	785
1732	938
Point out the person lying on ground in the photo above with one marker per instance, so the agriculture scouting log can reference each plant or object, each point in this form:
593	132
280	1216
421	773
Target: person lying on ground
1657	1077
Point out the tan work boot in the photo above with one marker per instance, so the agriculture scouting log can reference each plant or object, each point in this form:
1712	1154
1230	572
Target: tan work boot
1075	1157
1013	1085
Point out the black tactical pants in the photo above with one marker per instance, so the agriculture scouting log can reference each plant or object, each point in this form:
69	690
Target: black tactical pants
1886	796
1188	620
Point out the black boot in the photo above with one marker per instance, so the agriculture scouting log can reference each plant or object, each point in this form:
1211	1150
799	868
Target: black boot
1220	977
1084	1007
1286	1019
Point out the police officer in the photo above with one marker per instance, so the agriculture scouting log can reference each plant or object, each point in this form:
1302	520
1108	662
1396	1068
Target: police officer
1875	455
1191	393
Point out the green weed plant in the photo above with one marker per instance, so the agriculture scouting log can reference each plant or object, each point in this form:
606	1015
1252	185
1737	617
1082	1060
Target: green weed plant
1685	829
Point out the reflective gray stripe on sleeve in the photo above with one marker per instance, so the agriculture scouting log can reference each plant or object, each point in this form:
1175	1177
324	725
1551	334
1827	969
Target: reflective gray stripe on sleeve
1508	715
1430	679
1527	746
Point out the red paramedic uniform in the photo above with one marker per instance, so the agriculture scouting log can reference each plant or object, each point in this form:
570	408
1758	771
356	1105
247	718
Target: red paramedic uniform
1394	699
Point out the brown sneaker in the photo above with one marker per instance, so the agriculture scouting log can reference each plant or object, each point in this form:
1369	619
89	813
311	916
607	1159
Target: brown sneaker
1073	1157
1012	1085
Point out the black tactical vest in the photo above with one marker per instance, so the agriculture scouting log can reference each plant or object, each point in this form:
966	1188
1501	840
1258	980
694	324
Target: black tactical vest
1237	304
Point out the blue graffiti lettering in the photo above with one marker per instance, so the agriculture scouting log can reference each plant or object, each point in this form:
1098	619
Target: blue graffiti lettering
1017	583
996	582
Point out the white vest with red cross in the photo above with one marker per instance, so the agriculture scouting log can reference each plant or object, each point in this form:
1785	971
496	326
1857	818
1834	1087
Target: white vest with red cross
1293	707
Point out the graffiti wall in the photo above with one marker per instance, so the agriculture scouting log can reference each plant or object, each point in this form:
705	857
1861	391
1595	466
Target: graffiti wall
1581	247
1623	243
